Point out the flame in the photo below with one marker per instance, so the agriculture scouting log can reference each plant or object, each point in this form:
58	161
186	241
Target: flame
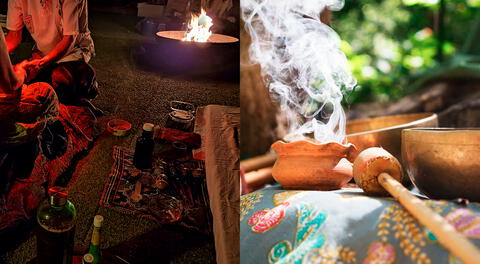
199	28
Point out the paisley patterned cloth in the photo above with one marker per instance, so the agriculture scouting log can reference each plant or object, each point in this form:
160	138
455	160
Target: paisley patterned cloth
344	226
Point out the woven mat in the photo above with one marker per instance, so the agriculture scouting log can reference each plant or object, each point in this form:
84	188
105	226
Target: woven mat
184	201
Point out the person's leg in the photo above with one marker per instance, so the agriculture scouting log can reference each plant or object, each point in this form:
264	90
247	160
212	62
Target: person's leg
74	81
38	103
5	177
24	157
63	82
16	162
37	106
61	78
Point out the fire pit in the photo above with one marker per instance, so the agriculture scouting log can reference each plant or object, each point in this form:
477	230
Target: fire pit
213	39
175	55
196	51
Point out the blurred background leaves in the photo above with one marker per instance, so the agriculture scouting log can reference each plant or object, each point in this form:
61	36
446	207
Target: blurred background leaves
391	43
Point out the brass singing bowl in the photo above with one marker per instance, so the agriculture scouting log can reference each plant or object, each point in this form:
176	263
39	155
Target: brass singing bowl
443	163
386	131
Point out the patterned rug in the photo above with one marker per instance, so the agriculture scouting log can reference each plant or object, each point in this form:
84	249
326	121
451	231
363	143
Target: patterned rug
173	191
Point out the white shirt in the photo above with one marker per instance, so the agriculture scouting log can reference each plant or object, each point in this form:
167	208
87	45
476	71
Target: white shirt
49	20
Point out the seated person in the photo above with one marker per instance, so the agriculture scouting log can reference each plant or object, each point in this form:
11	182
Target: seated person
24	112
63	46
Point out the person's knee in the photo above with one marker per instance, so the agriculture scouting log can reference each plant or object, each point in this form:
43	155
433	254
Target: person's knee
73	81
38	101
61	77
87	81
63	83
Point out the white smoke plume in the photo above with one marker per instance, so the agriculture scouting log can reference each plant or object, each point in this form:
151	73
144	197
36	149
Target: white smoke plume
301	63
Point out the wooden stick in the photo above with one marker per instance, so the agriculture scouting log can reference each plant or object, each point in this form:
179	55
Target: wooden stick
445	232
257	179
259	162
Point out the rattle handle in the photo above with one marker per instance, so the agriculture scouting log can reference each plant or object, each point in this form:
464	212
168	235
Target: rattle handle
446	233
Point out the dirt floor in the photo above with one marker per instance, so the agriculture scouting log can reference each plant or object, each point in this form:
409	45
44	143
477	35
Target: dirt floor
139	96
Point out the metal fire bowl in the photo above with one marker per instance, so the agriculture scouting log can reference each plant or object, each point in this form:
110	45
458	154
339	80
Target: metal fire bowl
443	163
386	131
177	56
214	38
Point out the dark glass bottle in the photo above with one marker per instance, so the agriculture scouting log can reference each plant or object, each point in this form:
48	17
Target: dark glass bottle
142	158
55	234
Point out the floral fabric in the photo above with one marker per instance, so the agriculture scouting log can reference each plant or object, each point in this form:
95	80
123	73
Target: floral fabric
345	226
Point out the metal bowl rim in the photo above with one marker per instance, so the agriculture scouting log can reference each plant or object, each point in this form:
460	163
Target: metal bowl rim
446	136
233	40
442	130
429	117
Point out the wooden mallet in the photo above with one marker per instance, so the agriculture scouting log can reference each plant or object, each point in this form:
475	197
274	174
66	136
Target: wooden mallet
378	173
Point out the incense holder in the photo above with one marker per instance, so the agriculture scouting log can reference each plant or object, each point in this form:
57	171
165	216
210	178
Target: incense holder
307	165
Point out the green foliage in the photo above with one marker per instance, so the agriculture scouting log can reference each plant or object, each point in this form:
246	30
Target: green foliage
389	42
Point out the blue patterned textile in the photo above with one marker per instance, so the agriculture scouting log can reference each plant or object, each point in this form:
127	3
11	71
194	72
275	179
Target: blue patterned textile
344	226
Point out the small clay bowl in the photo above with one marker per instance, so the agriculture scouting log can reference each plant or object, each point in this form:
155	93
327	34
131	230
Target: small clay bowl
306	165
118	127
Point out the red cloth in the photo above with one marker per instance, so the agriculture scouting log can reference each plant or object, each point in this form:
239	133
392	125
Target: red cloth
193	140
79	123
26	117
25	195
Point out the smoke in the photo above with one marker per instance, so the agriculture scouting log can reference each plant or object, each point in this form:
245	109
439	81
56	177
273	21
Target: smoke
301	63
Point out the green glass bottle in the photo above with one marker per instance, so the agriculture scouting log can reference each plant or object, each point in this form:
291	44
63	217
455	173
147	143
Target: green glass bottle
87	259
56	218
94	248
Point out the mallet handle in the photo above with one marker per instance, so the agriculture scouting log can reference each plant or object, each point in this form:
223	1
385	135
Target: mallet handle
259	162
445	233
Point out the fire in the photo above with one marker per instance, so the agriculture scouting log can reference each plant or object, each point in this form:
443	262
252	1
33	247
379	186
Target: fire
199	28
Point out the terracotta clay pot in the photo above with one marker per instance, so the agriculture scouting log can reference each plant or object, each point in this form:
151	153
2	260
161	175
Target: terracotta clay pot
305	165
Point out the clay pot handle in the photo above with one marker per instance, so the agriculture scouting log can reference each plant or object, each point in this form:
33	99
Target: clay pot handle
277	146
351	152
